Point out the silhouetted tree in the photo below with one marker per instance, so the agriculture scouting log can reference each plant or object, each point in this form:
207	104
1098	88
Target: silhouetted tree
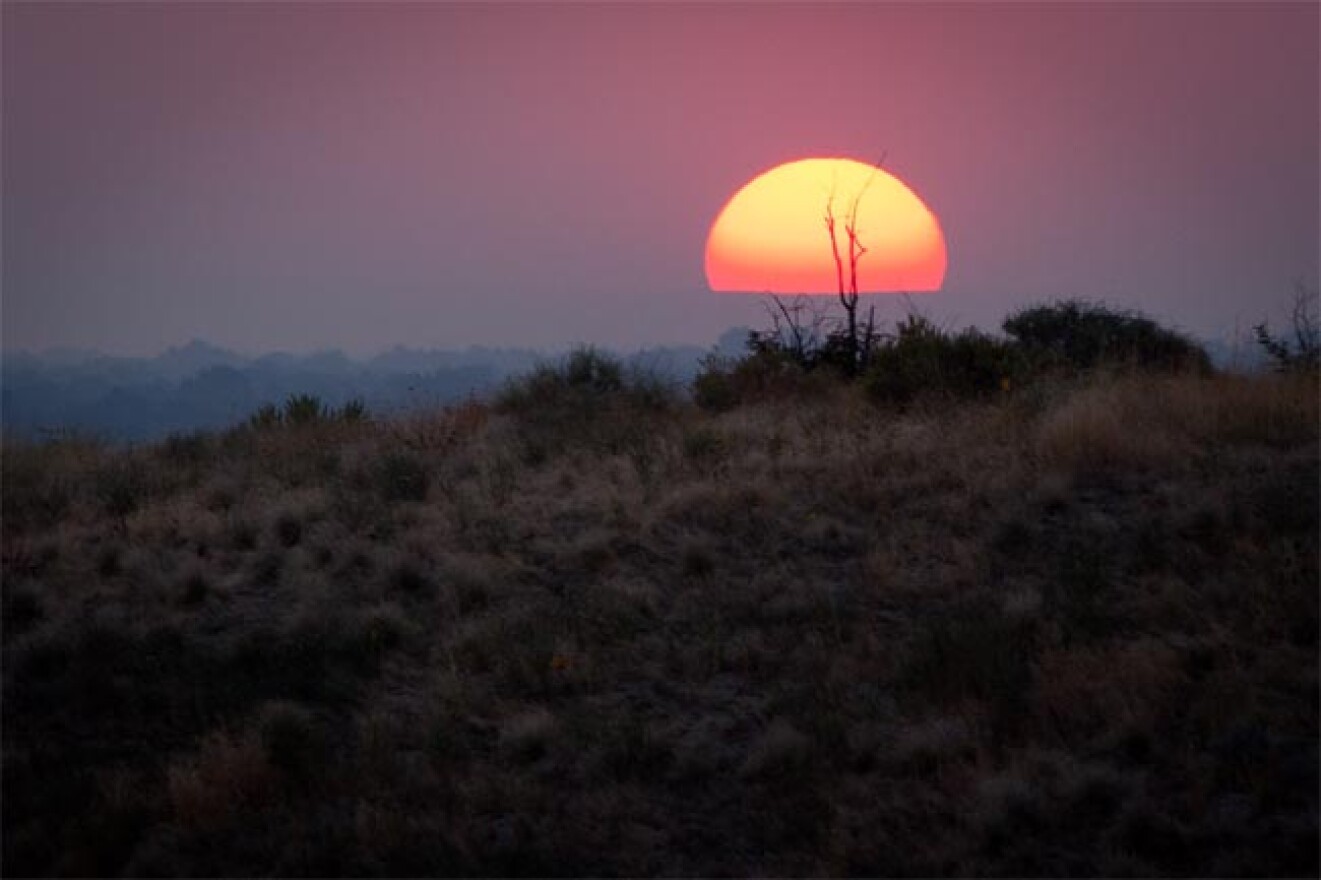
856	349
1302	353
1078	335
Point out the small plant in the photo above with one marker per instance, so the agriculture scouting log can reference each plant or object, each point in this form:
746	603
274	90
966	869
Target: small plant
303	409
265	418
352	412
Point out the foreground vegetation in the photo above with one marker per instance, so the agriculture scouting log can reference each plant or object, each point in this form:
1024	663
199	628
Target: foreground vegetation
1066	626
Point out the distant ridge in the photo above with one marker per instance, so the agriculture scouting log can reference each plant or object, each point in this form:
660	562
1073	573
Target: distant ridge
199	385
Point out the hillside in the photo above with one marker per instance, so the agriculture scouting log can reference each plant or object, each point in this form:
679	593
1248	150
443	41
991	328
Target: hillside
1071	629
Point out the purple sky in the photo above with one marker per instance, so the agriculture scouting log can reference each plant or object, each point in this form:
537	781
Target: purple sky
312	175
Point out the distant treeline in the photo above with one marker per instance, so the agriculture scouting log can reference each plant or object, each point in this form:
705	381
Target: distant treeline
200	386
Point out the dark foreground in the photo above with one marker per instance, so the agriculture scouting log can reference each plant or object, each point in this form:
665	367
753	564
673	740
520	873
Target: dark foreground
1071	632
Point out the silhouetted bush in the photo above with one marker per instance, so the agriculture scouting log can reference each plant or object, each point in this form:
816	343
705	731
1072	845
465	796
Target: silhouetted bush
586	398
1077	335
923	359
267	416
352	412
920	358
773	369
724	383
303	409
586	374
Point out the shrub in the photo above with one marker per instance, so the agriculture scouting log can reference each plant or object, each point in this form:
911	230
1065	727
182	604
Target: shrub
585	375
266	417
921	358
918	358
587	379
587	398
1078	335
767	372
352	412
713	388
303	409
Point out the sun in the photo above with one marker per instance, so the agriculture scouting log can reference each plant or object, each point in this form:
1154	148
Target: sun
771	237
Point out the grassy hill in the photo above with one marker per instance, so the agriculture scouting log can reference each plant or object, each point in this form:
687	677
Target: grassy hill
591	629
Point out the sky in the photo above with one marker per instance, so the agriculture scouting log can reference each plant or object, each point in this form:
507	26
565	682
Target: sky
302	176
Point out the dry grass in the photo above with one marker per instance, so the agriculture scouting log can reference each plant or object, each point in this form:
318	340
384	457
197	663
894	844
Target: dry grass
228	776
1138	422
1070	631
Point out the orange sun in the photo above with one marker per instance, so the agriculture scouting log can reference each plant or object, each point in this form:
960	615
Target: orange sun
771	236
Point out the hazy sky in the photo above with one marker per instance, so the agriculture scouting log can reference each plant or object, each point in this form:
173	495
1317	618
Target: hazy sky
311	175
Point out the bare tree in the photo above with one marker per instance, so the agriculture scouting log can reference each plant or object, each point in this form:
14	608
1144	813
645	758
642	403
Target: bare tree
858	346
808	335
1302	353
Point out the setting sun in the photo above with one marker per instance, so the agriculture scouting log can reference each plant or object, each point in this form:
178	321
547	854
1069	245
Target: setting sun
772	236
